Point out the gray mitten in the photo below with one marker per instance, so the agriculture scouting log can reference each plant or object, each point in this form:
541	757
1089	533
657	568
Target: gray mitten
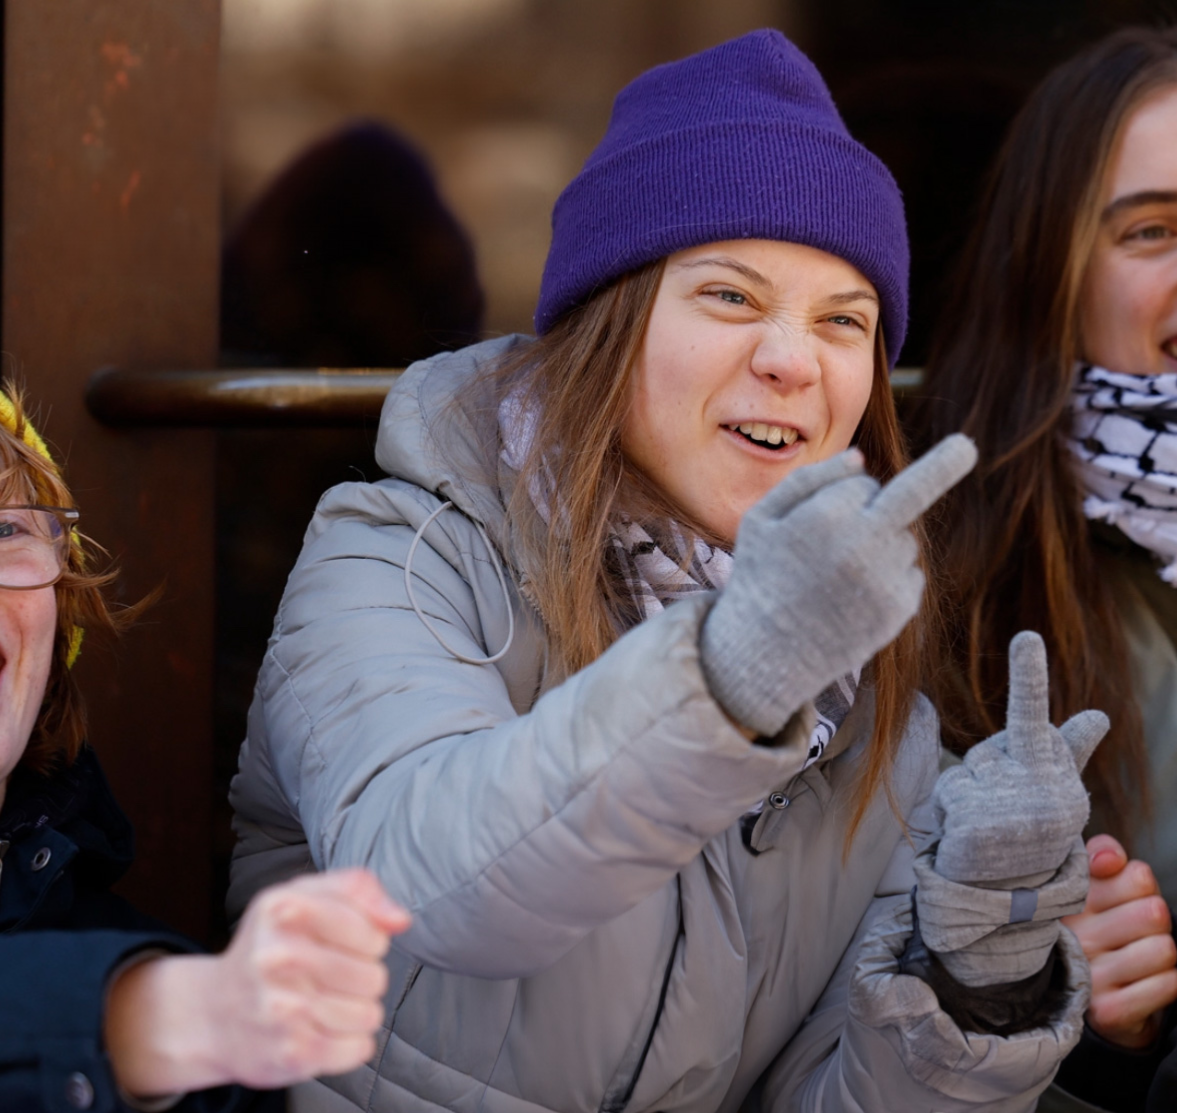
1010	860
825	575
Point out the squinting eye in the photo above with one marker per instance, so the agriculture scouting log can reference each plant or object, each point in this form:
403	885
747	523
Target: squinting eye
731	297
1152	232
8	529
842	319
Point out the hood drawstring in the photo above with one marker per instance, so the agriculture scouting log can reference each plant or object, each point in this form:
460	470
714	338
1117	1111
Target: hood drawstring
494	559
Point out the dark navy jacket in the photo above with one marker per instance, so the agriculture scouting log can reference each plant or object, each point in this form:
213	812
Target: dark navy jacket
63	843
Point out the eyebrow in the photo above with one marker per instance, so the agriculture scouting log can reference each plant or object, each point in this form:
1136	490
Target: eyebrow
750	273
1135	200
753	275
853	295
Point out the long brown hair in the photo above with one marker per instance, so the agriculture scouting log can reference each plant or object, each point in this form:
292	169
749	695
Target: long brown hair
1010	541
578	380
28	477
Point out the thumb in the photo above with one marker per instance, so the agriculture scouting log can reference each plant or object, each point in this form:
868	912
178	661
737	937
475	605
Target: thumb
367	895
805	482
1106	857
1083	732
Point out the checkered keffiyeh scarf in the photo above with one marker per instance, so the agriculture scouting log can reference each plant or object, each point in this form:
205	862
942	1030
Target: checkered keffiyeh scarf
1124	441
658	570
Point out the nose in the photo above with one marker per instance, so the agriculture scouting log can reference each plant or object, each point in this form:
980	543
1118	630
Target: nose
786	356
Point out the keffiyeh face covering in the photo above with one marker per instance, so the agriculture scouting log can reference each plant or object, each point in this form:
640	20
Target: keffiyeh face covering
657	571
1124	441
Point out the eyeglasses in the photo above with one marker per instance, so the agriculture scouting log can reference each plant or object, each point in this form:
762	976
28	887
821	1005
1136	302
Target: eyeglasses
34	545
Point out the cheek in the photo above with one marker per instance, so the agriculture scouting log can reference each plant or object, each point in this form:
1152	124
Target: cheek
1114	306
42	632
636	431
656	423
848	403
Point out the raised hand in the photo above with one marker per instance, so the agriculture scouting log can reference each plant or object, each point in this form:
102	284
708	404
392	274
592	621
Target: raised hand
1014	808
826	573
1011	818
1126	933
298	993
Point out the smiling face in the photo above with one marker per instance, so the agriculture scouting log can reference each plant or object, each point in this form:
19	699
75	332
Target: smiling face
758	359
1128	303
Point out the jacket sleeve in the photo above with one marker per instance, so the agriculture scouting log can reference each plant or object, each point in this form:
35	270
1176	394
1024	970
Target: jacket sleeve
510	831
52	1001
878	1039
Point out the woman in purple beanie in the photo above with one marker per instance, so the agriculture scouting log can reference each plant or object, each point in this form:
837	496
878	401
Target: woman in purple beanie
692	857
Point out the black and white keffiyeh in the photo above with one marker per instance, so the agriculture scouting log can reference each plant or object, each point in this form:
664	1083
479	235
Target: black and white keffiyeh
1124	441
658	570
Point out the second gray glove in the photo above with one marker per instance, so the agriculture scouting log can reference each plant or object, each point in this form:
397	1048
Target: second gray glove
1010	861
826	573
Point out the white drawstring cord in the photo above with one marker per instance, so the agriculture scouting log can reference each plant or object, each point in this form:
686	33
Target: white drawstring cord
494	559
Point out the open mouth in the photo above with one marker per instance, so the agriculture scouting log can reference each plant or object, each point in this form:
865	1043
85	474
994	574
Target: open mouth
774	437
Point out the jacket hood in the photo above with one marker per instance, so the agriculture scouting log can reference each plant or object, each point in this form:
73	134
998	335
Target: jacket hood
439	427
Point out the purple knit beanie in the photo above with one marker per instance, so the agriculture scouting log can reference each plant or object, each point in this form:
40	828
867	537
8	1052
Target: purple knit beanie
741	141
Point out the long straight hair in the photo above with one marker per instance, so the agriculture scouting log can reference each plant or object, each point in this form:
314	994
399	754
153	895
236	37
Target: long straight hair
1010	541
578	382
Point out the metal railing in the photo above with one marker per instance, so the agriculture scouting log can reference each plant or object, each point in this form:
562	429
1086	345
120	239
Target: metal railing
261	397
242	397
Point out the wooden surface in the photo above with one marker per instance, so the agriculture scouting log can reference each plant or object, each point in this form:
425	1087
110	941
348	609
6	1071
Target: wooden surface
110	254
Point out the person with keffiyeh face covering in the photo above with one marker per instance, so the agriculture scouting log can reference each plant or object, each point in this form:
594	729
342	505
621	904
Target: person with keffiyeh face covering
613	679
1058	354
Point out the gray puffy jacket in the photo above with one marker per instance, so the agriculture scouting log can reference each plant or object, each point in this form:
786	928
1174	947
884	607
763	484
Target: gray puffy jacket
590	930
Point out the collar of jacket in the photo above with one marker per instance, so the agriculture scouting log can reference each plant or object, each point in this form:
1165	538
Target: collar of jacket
441	434
67	819
851	738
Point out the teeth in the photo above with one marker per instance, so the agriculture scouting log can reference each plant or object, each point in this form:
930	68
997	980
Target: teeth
768	434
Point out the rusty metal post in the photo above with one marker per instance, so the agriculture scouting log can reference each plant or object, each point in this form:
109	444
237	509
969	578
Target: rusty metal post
110	246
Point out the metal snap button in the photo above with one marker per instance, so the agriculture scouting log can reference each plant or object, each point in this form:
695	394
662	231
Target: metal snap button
41	860
778	800
79	1091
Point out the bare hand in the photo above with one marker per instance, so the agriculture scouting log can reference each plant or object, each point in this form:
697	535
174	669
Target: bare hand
298	993
1124	930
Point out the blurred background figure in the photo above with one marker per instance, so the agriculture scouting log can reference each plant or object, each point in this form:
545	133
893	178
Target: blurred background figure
349	259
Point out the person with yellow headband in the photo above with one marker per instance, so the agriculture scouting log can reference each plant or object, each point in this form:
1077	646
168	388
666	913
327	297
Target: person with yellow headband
100	1008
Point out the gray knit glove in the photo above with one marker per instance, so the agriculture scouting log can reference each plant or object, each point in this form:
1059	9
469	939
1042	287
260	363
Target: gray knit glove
1010	860
825	575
